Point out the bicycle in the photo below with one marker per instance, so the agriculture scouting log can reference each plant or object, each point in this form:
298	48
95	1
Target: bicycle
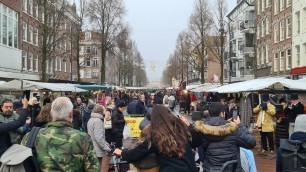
116	164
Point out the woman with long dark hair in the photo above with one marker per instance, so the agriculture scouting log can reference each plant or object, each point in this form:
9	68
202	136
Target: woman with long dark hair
169	138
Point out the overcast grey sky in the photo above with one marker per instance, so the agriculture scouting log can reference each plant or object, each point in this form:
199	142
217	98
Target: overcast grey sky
156	25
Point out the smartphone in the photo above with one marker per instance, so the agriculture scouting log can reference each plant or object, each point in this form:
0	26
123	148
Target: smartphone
235	114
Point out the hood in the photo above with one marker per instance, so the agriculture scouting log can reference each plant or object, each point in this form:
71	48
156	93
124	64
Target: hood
96	115
215	129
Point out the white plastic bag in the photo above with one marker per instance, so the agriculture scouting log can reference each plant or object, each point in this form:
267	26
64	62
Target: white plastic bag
127	132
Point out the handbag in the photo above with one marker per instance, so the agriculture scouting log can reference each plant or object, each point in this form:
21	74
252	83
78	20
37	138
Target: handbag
107	124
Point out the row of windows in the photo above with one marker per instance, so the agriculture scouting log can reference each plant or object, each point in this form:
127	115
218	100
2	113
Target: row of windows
29	61
30	7
282	60
279	30
87	73
29	34
279	5
94	62
8	26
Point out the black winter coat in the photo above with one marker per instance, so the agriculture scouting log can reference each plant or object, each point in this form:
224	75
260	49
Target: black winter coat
33	113
294	111
86	115
222	141
10	126
166	163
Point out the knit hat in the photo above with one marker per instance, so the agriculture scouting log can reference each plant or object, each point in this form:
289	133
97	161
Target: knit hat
300	122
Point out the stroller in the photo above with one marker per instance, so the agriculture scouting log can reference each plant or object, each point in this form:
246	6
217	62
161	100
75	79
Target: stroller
171	104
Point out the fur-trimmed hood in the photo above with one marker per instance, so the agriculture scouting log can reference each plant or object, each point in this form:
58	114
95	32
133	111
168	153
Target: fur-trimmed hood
216	128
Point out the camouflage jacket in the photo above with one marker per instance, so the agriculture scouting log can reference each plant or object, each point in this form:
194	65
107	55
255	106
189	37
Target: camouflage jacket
59	147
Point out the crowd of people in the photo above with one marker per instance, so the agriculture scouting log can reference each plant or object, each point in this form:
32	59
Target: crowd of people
82	134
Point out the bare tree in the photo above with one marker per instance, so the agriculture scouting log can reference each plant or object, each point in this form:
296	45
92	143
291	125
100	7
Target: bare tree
216	42
53	31
200	24
106	16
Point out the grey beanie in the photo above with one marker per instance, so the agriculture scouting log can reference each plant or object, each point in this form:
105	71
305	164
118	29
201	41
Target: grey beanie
300	123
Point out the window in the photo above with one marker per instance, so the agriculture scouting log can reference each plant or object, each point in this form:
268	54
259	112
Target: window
87	50
87	62
24	60
24	5
56	63
30	7
264	54
31	34
87	35
35	40
35	13
289	3
30	60
289	60
263	4
276	62
4	25
65	66
59	67
281	4
288	29
281	61
94	75
42	14
267	26
47	66
51	65
298	57
267	3
65	45
24	31
8	26
275	32
258	56
87	74
298	22
95	51
275	6
263	30
258	31
95	62
259	6
282	30
267	54
35	63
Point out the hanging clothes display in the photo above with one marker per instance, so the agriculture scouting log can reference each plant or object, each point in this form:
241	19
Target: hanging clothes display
245	110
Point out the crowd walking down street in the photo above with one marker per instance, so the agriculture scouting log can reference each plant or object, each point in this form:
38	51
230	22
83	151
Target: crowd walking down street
170	139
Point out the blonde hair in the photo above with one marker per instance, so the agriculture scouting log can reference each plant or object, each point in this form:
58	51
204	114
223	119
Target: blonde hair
99	109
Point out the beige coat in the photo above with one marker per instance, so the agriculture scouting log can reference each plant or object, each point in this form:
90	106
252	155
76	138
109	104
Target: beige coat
267	123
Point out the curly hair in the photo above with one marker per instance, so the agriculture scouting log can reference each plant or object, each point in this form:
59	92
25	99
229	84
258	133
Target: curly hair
167	132
45	114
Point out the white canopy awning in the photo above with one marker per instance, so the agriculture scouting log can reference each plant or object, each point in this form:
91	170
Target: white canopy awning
189	87
136	88
205	87
20	85
261	84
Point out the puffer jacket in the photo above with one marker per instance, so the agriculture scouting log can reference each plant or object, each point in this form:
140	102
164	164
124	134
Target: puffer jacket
96	131
221	141
267	124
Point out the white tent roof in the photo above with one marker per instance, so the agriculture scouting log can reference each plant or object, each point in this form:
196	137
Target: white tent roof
18	85
136	88
205	87
261	84
189	87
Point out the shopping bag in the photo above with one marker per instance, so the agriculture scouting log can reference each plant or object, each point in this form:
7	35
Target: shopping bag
127	132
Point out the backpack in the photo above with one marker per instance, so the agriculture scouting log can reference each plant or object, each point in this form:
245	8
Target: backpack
293	155
21	158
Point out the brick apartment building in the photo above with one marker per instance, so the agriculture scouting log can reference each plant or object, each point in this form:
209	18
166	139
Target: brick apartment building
281	37
263	37
21	41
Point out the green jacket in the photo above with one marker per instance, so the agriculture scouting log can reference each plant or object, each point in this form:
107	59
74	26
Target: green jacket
15	134
59	147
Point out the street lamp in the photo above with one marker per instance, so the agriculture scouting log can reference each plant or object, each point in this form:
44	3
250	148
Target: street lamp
221	30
